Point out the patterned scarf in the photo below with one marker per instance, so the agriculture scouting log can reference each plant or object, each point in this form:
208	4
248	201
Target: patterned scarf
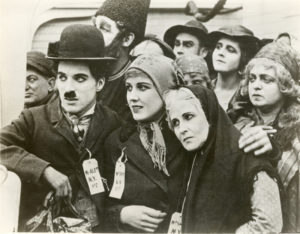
81	124
153	141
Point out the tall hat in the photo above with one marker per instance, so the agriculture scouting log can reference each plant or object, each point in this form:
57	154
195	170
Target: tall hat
193	27
39	62
79	42
132	13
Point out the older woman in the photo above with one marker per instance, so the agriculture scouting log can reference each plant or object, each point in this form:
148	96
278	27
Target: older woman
273	91
226	190
233	47
144	164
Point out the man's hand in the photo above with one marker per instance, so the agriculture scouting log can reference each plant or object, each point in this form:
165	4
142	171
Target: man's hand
59	182
142	217
256	139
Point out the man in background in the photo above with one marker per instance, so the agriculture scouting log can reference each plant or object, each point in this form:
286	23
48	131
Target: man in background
40	80
190	38
122	24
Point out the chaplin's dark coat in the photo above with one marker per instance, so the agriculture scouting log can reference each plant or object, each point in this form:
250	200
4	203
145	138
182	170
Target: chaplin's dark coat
41	137
144	184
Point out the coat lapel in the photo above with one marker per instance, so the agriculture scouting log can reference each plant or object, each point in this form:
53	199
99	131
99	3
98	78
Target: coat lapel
60	123
138	155
96	128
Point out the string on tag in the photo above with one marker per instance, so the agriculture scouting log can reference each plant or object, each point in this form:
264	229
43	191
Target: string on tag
119	177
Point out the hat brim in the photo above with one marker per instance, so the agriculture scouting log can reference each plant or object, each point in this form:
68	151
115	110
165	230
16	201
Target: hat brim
172	32
99	59
215	36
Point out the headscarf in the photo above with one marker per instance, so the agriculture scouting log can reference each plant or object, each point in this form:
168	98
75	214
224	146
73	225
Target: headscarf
222	205
163	73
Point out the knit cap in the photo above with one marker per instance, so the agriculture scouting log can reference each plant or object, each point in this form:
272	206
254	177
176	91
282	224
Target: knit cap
161	70
283	54
192	63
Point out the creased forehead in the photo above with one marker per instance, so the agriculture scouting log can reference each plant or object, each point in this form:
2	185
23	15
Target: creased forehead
172	97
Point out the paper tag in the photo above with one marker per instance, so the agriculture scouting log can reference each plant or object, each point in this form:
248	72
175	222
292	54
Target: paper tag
92	176
119	179
175	224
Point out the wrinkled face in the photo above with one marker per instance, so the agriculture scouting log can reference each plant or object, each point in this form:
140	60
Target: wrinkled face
108	27
37	87
143	99
146	47
186	43
189	123
77	87
226	56
195	78
263	87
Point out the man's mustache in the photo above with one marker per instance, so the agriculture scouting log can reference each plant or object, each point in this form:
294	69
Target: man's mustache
70	94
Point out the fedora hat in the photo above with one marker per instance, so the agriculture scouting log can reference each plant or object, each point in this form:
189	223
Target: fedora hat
236	32
79	42
193	27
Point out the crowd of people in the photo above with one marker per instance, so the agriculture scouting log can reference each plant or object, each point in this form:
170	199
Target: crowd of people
198	132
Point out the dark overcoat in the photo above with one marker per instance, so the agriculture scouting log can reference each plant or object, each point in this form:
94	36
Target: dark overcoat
41	137
144	184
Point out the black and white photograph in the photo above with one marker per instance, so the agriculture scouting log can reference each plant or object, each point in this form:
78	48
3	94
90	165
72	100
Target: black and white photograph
150	116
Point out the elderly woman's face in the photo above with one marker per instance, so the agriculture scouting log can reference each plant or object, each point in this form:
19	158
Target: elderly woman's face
189	123
263	86
226	55
142	97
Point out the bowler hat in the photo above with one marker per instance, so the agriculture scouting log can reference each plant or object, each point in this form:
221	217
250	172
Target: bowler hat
193	27
237	32
79	42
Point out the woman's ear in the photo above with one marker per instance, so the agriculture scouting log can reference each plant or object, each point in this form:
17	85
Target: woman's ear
51	83
128	39
203	52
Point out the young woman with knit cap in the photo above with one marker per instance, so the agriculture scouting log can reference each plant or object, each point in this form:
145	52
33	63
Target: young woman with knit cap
225	189
272	87
233	47
145	163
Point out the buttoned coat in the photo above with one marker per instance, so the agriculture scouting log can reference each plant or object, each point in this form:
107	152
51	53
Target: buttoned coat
42	137
144	184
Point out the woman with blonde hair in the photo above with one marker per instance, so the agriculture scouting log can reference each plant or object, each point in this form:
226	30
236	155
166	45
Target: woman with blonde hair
145	162
272	87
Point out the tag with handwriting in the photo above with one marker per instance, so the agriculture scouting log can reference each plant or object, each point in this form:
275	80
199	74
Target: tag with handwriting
119	179
92	176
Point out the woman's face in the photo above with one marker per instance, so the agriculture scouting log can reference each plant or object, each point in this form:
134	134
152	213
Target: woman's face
195	78
142	97
226	56
263	87
189	123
